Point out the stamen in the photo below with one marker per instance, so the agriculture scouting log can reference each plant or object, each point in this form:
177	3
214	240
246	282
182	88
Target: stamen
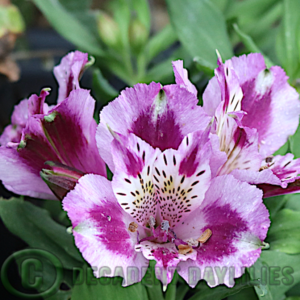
132	227
165	225
184	249
205	236
152	222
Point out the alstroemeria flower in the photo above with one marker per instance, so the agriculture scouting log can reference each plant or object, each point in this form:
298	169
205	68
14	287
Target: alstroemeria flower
67	74
163	205
255	110
65	134
161	116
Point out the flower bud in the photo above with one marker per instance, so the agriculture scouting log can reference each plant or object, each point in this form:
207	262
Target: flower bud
60	178
138	35
109	30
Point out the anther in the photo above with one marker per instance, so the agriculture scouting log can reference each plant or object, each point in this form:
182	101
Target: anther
165	225
205	236
132	227
185	249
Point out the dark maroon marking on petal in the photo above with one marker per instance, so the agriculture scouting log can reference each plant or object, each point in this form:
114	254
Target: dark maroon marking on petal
148	170
200	173
189	164
287	164
164	174
165	160
182	179
187	140
121	194
138	147
127	180
156	178
111	232
174	160
133	194
225	225
158	173
162	134
124	203
143	156
195	182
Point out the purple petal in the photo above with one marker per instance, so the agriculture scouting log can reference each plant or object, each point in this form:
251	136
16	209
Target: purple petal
65	135
264	92
239	223
71	129
166	257
182	177
161	117
132	181
68	73
100	229
212	97
286	168
181	77
19	177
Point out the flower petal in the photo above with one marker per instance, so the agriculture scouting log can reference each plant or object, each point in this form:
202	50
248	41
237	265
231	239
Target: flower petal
19	177
239	223
167	259
132	181
264	92
181	77
68	73
100	229
71	128
182	177
159	116
241	147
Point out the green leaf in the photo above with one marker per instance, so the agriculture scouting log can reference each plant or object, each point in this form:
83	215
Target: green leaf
294	202
250	45
160	42
221	291
70	27
274	204
142	10
270	265
285	219
35	226
283	149
287	47
248	9
107	288
201	29
101	87
245	294
284	232
294	141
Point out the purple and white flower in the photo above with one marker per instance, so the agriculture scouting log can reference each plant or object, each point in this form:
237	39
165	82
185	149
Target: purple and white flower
63	134
165	202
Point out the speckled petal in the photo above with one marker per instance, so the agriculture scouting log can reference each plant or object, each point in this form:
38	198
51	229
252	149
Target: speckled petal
181	177
132	182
